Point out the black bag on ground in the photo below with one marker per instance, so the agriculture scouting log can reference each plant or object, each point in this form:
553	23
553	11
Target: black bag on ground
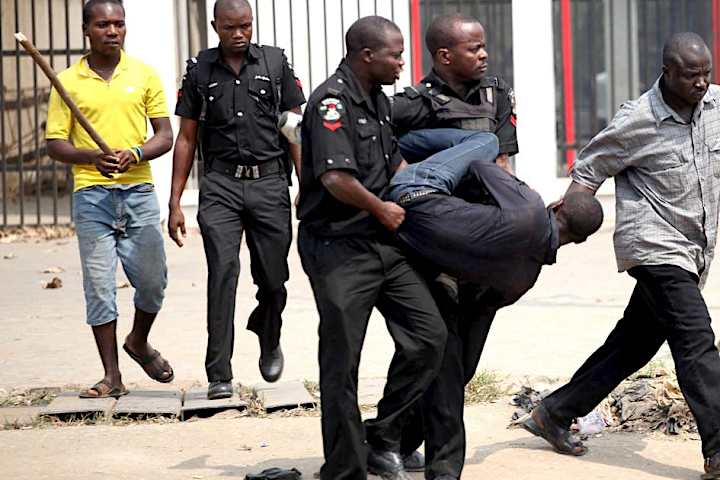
275	473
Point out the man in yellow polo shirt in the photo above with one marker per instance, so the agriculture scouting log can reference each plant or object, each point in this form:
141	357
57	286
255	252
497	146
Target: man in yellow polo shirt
115	210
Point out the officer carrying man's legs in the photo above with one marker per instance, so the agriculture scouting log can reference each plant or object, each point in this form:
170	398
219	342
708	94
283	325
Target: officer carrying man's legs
230	101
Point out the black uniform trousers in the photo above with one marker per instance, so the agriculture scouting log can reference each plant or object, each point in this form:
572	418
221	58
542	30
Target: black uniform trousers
666	305
349	276
438	417
227	207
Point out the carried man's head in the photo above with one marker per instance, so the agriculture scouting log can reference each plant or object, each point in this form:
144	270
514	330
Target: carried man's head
457	45
375	46
233	23
578	216
687	65
104	25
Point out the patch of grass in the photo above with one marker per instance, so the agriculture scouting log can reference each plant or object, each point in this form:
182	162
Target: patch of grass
34	397
655	368
313	388
485	387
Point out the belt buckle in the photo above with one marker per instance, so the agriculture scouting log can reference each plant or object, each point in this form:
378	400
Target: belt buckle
251	172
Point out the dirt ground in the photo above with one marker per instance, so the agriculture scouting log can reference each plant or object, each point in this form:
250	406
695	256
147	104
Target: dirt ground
44	342
232	447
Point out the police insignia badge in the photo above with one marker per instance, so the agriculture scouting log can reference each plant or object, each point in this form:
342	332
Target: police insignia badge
331	111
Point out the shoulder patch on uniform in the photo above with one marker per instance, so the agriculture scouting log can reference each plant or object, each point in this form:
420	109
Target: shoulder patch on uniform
331	111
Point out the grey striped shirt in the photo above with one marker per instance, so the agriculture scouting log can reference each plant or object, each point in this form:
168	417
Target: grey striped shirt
667	181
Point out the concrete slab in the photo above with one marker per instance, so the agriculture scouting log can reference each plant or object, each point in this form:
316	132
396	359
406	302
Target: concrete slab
195	402
69	404
18	416
149	403
283	396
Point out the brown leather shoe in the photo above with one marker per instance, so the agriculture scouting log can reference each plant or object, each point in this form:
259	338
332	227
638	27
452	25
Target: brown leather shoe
712	468
541	424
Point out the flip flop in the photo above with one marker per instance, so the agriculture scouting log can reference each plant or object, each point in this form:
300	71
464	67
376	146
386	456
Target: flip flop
104	390
146	362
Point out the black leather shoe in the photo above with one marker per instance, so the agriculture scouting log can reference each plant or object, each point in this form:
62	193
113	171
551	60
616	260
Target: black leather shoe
542	424
445	477
271	364
414	462
387	465
218	390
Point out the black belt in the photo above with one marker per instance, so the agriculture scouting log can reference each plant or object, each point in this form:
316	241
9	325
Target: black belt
409	197
247	172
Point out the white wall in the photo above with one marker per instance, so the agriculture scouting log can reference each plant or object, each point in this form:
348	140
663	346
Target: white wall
151	37
534	72
309	59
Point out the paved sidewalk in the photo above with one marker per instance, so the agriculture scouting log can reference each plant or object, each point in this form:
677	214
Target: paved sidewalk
45	341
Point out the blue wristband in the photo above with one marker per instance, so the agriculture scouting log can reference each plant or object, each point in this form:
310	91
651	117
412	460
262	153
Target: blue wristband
139	153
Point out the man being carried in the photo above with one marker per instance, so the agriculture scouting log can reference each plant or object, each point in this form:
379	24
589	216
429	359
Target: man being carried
470	218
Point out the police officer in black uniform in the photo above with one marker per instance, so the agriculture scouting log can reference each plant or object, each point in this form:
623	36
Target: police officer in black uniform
230	100
456	94
350	255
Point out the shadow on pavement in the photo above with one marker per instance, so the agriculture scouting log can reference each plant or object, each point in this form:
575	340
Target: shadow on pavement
617	449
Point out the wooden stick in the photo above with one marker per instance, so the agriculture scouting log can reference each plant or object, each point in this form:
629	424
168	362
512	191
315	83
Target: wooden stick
52	76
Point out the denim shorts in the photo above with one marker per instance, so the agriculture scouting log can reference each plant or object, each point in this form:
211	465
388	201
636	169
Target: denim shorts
122	223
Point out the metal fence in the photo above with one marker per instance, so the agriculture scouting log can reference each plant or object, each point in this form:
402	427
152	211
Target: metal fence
35	189
496	17
615	55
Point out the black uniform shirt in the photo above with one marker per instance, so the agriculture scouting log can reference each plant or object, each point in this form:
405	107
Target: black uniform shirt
416	113
344	128
241	117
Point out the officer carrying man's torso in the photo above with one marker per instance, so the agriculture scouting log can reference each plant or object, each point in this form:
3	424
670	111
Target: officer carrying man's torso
488	106
229	102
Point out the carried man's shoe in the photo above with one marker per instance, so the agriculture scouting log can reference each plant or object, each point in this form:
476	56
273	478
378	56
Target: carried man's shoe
271	364
387	465
414	462
562	440
218	390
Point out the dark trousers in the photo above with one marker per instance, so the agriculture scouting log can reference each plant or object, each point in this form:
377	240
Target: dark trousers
350	276
666	305
438	417
227	207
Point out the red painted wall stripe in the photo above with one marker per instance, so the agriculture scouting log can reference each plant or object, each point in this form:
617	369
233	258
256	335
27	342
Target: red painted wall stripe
568	81
415	41
716	39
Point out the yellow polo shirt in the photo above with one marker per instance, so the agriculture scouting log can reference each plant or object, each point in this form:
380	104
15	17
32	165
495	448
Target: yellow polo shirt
117	109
